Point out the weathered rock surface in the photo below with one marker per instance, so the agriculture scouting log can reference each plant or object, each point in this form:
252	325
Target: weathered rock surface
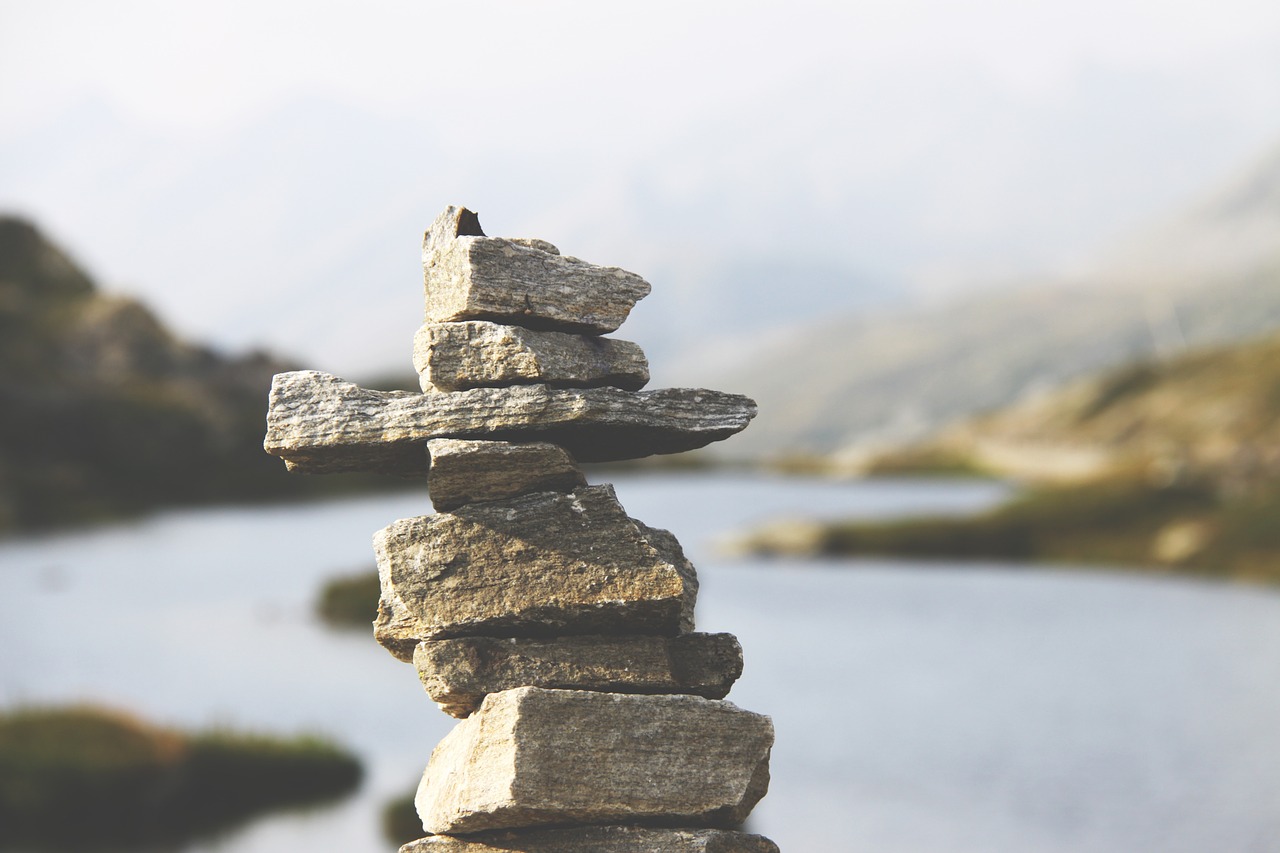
469	276
533	757
320	424
457	674
464	472
597	839
479	354
544	564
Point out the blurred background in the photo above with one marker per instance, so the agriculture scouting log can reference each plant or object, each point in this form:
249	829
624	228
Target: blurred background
1004	278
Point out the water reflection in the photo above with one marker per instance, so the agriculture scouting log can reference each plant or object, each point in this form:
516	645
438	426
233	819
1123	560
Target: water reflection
935	708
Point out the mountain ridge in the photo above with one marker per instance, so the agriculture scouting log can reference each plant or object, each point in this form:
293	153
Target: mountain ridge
106	412
884	377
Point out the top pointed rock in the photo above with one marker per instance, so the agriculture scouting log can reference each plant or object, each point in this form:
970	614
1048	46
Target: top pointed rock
469	276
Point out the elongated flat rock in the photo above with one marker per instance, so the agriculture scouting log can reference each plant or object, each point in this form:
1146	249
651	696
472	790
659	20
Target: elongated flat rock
479	354
532	757
539	565
469	276
457	674
464	472
318	423
597	839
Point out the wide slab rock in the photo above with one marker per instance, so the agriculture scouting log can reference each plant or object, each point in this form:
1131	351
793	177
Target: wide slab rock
464	472
544	564
319	424
479	354
457	674
534	757
597	839
469	276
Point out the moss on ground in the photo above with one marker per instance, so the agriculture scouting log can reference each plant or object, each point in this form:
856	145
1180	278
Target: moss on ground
1184	527
400	821
86	778
350	601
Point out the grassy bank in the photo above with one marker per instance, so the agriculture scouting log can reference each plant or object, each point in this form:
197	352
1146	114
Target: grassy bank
350	601
1185	526
400	821
85	778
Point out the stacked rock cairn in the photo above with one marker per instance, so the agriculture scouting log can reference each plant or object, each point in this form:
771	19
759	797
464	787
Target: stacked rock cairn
532	606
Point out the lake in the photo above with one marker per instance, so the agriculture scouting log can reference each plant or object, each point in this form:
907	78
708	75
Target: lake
918	707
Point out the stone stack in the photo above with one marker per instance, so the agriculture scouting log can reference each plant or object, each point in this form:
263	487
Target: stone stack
532	606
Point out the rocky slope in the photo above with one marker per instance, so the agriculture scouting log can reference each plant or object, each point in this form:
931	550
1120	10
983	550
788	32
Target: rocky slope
105	412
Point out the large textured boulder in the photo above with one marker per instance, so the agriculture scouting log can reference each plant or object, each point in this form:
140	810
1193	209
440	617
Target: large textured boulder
544	564
457	674
533	757
318	423
597	839
464	472
478	354
469	276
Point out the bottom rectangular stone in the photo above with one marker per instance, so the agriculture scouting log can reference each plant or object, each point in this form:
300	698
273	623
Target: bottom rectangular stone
597	839
533	757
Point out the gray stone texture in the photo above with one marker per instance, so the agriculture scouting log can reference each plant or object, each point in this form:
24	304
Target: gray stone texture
533	757
464	472
468	276
318	423
479	354
457	674
543	564
597	839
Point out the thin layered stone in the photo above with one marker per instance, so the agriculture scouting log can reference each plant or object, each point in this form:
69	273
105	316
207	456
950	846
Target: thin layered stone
464	472
597	839
457	674
318	423
480	354
538	565
469	276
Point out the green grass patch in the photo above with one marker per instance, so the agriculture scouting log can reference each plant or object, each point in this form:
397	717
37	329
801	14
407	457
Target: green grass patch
925	462
1107	521
1120	521
85	778
350	601
400	821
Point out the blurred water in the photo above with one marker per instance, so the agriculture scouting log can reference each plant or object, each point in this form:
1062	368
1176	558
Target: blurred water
935	708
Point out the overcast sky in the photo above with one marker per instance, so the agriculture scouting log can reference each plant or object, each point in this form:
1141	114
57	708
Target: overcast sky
229	160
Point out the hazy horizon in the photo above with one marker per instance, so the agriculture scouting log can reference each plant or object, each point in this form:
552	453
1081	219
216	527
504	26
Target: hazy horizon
261	173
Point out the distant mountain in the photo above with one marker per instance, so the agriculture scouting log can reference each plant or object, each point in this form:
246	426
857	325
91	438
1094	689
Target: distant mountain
1227	233
1208	276
105	412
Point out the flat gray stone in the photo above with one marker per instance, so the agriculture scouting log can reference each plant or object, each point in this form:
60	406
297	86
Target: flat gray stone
597	839
319	424
544	564
533	757
457	674
479	354
464	472
469	276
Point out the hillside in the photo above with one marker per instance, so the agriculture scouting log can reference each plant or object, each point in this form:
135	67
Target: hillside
1210	275
1212	414
105	412
1169	464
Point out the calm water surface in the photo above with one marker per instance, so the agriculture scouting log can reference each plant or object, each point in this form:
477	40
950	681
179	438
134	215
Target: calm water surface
931	708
